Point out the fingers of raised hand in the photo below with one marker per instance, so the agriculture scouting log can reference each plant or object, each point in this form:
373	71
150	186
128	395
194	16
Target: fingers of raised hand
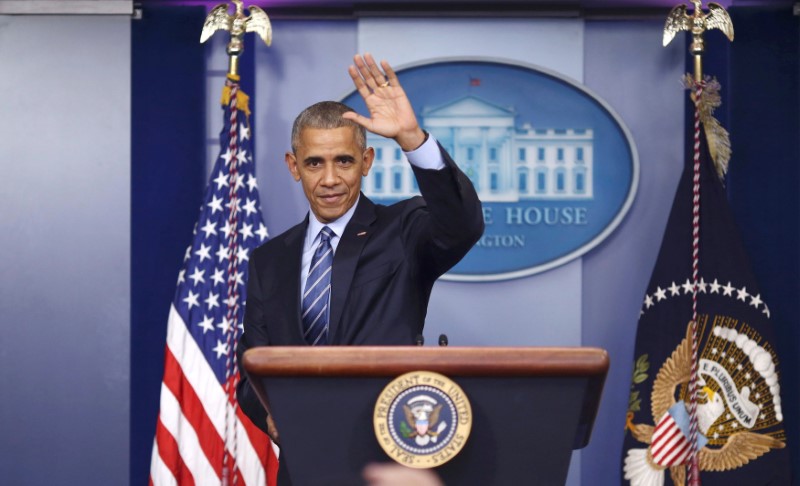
375	71
361	86
391	77
371	74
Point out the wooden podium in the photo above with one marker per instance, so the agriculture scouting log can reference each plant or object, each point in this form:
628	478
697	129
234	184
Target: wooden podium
530	406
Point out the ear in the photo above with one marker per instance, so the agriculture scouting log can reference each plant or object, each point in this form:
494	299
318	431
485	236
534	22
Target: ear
291	163
369	157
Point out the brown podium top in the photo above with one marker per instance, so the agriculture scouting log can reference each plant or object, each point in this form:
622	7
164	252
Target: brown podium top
450	360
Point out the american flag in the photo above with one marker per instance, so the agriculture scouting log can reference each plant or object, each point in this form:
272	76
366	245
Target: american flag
202	437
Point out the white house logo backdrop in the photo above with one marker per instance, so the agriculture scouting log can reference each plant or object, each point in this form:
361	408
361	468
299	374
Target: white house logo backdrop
556	170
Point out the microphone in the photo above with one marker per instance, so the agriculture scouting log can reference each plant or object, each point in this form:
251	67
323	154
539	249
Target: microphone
420	340
442	339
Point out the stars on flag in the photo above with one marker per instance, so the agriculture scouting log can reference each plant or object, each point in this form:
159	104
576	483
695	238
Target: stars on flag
262	232
250	206
741	294
215	204
209	228
241	156
239	182
674	290
212	300
223	253
727	290
227	229
217	277
191	299
197	276
235	203
227	156
251	183
203	252
207	324
246	231
221	180
225	325
221	349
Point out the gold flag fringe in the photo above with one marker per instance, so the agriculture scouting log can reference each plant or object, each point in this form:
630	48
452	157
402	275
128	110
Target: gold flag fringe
719	140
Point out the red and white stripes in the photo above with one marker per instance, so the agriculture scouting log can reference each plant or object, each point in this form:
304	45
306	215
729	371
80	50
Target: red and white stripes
670	446
190	434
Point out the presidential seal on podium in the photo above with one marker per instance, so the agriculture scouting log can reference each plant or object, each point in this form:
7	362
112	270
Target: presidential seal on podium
422	419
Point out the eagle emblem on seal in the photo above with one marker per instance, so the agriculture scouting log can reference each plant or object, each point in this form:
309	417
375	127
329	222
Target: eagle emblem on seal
422	420
725	417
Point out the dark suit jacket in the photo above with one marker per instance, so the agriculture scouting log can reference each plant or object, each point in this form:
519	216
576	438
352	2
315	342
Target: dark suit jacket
384	269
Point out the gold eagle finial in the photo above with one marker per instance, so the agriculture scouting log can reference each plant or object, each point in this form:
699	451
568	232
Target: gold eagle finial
699	22
237	24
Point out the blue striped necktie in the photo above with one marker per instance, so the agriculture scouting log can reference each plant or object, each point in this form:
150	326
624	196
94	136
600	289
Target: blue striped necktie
318	290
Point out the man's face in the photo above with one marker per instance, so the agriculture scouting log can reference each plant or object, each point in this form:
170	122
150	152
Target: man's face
329	164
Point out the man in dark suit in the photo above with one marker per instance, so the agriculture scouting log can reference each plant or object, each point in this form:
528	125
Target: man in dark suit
382	261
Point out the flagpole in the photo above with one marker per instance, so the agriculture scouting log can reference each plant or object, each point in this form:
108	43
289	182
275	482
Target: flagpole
678	20
237	25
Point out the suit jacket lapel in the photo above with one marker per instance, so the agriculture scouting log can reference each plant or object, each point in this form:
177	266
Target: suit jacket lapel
346	258
290	289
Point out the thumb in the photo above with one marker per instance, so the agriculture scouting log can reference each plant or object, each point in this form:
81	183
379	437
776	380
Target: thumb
355	117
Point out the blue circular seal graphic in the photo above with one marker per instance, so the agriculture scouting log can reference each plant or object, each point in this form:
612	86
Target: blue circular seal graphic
555	168
422	419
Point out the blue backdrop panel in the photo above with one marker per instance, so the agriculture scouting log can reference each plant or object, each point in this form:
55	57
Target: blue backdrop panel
626	65
167	182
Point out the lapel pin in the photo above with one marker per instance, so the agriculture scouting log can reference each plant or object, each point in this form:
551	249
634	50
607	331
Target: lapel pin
362	233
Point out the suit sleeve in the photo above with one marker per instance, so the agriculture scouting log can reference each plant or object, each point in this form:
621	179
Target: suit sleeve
452	219
256	335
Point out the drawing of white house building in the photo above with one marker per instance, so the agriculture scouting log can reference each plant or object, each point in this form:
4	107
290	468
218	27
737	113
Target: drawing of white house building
505	162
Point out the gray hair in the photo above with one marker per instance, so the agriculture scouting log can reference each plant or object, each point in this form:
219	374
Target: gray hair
326	115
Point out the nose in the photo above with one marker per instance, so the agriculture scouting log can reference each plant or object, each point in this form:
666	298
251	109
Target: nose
329	176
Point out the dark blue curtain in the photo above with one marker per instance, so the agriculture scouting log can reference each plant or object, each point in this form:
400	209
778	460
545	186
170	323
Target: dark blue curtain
764	180
168	171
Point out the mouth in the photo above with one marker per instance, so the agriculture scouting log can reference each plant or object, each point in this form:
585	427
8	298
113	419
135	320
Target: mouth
330	199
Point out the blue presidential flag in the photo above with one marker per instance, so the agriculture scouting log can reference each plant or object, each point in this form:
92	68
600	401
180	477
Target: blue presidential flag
739	428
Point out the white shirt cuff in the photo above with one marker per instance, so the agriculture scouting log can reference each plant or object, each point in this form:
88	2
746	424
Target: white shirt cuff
427	156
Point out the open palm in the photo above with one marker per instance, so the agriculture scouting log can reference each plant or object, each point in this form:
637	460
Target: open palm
390	112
